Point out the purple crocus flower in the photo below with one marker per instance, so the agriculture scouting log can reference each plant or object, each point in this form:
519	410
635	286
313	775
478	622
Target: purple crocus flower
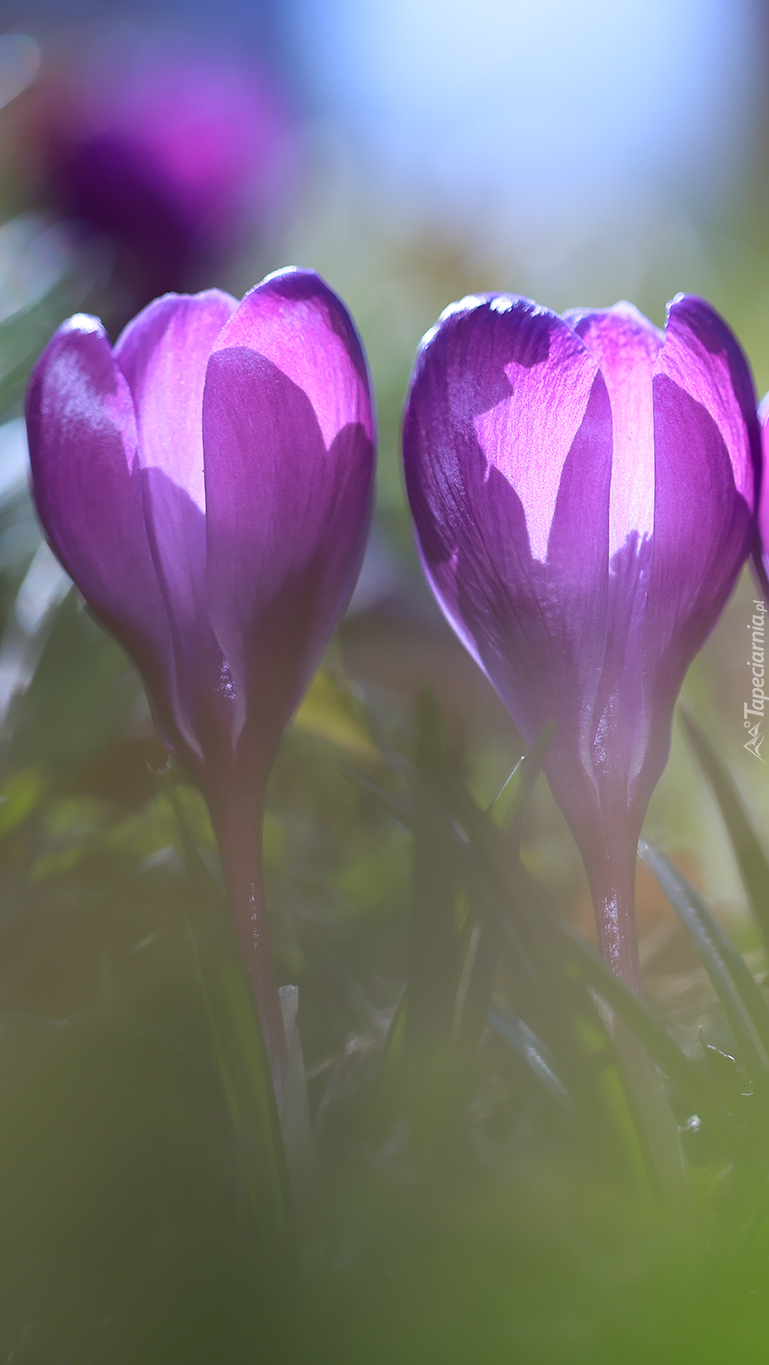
207	484
583	490
170	148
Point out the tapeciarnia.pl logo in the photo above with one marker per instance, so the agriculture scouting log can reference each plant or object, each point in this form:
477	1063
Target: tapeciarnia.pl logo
755	708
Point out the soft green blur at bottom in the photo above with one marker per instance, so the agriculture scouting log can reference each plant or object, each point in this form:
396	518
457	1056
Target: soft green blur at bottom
126	1239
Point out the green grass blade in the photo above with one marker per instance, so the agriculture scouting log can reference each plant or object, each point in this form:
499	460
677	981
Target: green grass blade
245	1073
536	1055
554	1005
683	1074
239	1049
742	1001
434	953
475	986
512	796
396	805
751	860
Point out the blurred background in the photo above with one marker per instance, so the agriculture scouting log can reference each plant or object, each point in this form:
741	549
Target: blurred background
412	152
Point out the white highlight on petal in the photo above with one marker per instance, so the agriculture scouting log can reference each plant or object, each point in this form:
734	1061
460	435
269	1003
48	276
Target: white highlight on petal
626	347
83	322
466	305
528	436
429	336
281	273
498	303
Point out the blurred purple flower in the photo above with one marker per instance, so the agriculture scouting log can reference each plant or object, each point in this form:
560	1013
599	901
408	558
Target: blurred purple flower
170	149
207	484
582	488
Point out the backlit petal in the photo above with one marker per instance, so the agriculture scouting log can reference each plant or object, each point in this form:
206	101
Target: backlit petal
87	485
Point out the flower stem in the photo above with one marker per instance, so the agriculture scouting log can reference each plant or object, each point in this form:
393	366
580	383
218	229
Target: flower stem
237	825
612	883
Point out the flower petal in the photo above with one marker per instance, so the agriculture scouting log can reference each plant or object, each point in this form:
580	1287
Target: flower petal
501	388
86	481
703	357
706	442
703	528
163	354
293	319
626	346
532	381
287	510
490	497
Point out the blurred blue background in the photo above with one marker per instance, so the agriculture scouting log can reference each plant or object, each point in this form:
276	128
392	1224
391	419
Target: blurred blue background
580	145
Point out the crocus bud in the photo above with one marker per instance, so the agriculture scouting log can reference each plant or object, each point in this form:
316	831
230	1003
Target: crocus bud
583	488
207	484
170	149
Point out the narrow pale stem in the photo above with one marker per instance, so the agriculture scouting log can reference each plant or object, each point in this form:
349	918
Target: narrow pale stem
238	831
612	883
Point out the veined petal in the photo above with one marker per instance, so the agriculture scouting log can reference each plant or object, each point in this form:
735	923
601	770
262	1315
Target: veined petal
706	441
626	346
86	480
703	528
703	357
163	354
514	381
293	319
287	509
490	497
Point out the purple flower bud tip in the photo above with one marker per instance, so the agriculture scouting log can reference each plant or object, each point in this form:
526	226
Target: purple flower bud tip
207	484
583	493
170	148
